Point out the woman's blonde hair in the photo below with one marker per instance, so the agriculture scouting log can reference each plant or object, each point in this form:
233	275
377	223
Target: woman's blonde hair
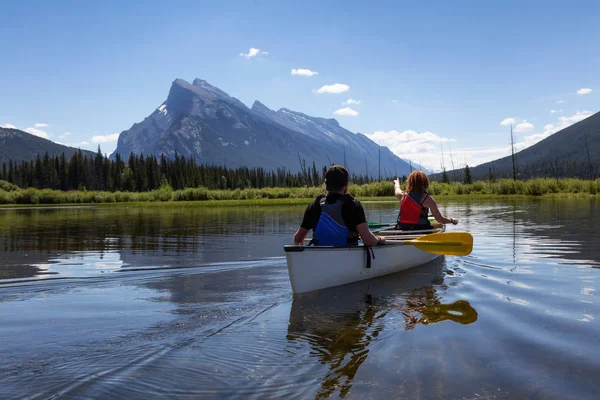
417	181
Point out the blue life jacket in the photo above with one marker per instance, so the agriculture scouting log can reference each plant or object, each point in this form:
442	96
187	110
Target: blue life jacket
331	229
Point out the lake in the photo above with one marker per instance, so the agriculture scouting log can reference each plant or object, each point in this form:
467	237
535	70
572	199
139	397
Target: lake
172	301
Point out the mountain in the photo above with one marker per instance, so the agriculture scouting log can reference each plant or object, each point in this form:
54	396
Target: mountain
22	146
201	121
565	151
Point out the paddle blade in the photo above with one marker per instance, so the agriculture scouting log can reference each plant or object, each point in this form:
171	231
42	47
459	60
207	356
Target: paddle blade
445	243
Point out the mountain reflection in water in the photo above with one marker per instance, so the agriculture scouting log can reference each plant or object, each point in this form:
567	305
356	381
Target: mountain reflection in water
340	323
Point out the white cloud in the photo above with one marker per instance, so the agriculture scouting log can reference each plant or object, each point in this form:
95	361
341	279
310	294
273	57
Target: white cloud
84	143
524	126
476	156
37	132
583	91
560	102
253	52
351	101
8	126
113	137
347	111
303	72
578	116
39	125
556	111
394	101
508	121
424	147
564	121
550	129
64	135
552	111
335	88
420	147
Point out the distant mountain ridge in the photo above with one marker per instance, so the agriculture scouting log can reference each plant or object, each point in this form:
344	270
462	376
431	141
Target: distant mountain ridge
564	154
18	146
201	121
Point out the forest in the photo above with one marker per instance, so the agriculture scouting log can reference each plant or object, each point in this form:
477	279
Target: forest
145	173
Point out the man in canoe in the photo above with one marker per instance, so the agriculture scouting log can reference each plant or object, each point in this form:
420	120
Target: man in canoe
336	218
415	204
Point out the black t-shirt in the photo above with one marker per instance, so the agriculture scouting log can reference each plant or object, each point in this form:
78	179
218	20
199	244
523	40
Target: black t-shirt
353	212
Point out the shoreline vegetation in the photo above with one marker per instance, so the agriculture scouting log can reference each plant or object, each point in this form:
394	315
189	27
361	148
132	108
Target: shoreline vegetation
376	191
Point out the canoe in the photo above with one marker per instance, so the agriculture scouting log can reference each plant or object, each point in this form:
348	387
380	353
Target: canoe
319	267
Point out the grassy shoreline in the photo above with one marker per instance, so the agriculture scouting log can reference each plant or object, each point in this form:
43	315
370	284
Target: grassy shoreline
12	196
284	202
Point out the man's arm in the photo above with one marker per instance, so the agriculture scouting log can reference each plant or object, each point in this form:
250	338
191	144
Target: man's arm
367	236
309	220
362	226
299	236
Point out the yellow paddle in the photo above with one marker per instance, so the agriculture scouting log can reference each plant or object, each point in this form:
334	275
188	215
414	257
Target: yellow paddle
443	243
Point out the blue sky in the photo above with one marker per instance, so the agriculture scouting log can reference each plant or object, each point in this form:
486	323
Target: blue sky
425	74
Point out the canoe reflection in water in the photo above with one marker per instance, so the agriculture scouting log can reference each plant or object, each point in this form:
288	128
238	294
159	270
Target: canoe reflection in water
340	323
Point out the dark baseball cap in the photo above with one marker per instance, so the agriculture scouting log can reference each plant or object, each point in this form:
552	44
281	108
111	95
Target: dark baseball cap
336	178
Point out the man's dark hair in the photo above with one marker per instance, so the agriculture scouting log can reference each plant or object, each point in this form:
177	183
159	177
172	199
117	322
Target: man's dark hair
336	178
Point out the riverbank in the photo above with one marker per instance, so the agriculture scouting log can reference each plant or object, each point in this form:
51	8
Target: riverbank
11	195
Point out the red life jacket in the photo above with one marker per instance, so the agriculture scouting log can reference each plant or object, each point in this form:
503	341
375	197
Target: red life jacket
410	210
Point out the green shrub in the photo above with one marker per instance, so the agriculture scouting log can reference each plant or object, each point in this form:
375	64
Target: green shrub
8	187
534	188
10	194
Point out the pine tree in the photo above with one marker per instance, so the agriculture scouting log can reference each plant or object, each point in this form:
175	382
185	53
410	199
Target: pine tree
467	179
445	178
10	177
38	178
46	172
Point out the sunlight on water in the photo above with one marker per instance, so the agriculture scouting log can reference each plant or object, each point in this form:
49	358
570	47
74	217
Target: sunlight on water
78	264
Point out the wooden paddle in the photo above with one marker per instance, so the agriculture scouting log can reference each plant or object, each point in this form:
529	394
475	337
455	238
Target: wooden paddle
444	243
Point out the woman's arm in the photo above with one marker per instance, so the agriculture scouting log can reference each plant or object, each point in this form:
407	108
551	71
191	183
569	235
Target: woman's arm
397	190
367	236
432	205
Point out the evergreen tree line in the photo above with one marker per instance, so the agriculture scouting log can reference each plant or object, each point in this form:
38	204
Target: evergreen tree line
144	173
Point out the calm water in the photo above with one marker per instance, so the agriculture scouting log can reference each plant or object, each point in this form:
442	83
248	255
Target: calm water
174	302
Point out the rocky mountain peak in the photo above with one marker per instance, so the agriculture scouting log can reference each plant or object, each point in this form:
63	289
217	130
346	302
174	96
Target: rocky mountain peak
316	120
200	120
259	107
215	91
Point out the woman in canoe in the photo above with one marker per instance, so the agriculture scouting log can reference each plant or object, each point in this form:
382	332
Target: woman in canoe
415	204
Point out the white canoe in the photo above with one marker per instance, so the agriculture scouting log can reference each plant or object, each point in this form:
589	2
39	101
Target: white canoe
318	267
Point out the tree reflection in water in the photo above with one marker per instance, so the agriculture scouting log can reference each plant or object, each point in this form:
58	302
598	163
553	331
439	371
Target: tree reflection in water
340	323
